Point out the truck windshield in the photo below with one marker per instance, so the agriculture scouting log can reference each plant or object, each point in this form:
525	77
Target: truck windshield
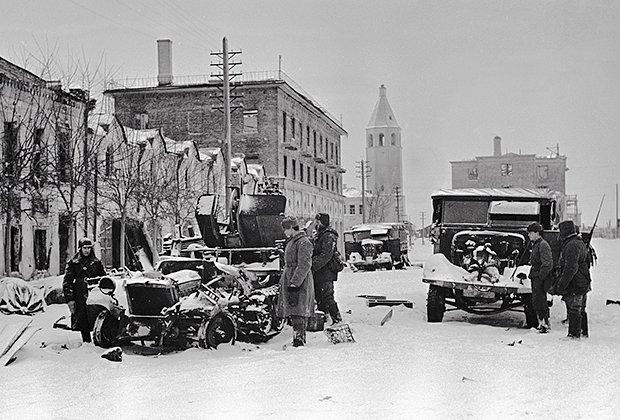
465	212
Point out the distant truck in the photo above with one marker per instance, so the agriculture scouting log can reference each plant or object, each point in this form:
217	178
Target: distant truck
469	223
377	245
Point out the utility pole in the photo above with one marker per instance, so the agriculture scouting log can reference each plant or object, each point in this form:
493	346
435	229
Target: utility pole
397	193
422	214
226	98
362	170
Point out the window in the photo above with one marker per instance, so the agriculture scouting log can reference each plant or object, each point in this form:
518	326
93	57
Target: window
285	165
506	169
322	183
333	186
308	180
337	161
63	143
294	166
393	139
301	172
320	143
381	140
472	174
109	161
284	126
542	172
314	135
292	127
370	140
315	176
37	158
308	136
351	208
327	181
250	121
11	147
142	121
331	147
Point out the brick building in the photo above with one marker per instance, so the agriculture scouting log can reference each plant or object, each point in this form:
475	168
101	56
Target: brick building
512	170
42	140
279	126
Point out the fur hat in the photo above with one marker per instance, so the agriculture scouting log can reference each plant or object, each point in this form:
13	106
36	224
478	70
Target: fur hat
323	218
289	222
84	242
535	227
567	228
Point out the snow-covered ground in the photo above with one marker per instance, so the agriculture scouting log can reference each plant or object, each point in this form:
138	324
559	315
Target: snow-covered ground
466	367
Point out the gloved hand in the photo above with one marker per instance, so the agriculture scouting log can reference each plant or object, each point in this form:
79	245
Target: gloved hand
293	295
71	305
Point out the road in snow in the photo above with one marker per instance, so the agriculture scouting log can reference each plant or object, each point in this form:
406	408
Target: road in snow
466	367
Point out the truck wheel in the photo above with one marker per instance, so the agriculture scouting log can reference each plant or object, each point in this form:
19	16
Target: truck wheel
435	304
531	319
388	266
105	330
215	331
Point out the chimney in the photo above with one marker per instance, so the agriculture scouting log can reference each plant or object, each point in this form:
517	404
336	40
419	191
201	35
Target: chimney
497	146
164	62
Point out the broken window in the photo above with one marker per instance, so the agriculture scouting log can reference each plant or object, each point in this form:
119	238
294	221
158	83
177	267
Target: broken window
250	121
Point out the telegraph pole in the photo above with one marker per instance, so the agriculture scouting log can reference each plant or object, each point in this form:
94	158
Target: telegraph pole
363	170
225	77
397	192
422	214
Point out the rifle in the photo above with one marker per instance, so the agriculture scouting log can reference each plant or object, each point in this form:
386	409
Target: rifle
595	221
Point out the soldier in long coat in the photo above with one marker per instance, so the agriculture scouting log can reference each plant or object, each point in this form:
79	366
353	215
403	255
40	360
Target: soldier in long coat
82	266
296	286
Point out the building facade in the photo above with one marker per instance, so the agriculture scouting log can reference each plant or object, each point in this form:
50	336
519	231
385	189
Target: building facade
42	134
280	127
384	157
512	170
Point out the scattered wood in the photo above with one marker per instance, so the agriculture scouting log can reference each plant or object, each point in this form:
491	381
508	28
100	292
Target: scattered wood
372	296
389	302
387	317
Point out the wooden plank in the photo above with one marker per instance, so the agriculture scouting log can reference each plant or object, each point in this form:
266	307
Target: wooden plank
17	345
389	302
372	296
10	333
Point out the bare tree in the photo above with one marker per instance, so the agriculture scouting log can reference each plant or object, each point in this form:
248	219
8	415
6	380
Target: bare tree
377	205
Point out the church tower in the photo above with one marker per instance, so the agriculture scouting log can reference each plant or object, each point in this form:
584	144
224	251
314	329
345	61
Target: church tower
384	157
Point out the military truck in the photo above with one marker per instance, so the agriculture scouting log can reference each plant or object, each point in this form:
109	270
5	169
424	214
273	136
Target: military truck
494	221
377	245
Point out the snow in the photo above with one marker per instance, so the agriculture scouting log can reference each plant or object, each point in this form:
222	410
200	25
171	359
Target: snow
465	367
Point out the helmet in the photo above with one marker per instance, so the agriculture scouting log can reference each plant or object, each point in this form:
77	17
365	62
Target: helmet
107	283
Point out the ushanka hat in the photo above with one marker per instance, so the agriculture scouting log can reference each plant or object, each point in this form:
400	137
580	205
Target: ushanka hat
567	228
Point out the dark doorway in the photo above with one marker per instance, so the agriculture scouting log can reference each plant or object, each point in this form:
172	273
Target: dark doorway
40	249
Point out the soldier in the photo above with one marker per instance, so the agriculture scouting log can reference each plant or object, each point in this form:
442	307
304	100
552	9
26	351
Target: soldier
322	268
574	281
296	289
541	262
82	266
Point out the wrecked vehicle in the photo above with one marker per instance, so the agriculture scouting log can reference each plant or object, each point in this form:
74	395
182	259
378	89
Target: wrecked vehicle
377	245
481	249
178	310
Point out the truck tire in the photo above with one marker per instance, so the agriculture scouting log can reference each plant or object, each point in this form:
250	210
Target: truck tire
105	330
435	304
531	319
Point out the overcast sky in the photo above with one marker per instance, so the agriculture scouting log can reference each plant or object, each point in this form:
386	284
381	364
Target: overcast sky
537	73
